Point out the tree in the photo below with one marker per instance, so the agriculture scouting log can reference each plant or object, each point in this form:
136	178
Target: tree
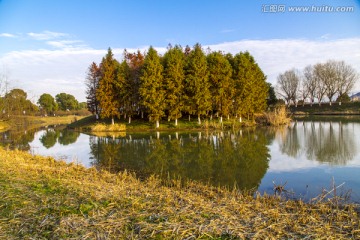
309	83
271	98
92	84
174	75
346	78
197	84
135	62
16	102
66	101
151	89
221	84
303	90
287	85
47	103
330	79
251	89
107	92
320	76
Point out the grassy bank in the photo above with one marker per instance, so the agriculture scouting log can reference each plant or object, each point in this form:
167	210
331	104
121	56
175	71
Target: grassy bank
15	122
41	198
351	108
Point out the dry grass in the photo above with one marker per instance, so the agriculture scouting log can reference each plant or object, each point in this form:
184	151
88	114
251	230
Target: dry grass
41	198
278	116
101	127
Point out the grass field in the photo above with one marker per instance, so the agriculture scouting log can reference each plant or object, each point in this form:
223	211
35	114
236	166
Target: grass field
41	198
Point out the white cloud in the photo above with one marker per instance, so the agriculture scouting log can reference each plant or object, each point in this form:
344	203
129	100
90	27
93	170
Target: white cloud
7	35
64	69
68	44
278	55
47	35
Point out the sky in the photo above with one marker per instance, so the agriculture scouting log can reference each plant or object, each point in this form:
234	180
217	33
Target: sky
47	46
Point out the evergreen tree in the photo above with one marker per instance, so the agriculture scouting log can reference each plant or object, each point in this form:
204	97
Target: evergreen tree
251	89
152	87
107	92
124	89
221	84
92	84
135	63
174	75
197	84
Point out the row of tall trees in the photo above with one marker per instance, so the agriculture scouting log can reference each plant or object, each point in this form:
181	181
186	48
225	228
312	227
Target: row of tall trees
322	80
182	81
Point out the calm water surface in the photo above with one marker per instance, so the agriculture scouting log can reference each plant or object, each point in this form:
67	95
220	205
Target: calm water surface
306	156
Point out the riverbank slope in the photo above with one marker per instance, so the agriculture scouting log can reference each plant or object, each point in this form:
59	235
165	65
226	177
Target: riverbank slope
42	198
15	122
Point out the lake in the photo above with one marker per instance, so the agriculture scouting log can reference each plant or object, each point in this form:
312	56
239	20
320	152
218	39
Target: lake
306	157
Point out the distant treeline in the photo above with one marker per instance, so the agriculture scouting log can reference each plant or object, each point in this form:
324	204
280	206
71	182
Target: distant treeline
182	81
16	102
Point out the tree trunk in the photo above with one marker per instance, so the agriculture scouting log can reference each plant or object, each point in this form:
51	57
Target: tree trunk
221	119
129	119
189	118
240	119
157	124
330	103
176	122
112	121
199	119
142	114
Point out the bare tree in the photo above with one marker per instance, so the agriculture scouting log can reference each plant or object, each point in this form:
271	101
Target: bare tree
329	77
287	85
309	82
304	92
320	77
346	77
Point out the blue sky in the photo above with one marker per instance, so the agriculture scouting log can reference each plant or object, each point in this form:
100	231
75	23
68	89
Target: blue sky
46	46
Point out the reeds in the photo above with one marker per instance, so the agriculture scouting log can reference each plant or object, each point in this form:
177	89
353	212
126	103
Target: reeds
278	116
41	198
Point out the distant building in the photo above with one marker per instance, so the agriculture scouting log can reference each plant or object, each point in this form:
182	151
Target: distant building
355	97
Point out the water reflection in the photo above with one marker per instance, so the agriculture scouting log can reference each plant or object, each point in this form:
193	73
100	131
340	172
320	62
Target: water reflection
325	142
216	158
22	137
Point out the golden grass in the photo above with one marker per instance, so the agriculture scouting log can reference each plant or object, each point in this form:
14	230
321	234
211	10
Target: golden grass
4	126
101	127
41	198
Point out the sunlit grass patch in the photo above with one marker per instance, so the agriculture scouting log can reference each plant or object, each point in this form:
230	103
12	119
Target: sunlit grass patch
101	127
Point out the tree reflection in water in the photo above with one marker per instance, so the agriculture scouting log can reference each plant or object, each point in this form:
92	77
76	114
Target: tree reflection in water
326	142
223	158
